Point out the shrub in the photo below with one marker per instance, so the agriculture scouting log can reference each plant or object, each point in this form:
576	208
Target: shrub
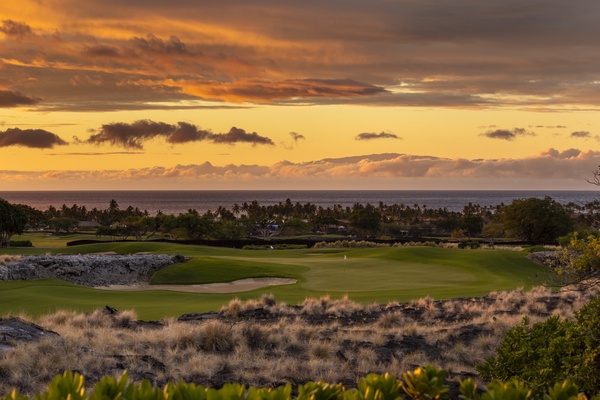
217	337
425	383
551	351
255	337
233	309
537	248
471	244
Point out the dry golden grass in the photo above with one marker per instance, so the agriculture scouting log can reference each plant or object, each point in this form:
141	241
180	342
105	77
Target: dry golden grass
318	340
6	258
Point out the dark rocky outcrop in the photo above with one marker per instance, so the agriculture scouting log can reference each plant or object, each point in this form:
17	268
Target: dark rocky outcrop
90	269
14	330
547	258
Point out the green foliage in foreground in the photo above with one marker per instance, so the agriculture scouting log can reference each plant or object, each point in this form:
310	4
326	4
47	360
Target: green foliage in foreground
552	350
422	384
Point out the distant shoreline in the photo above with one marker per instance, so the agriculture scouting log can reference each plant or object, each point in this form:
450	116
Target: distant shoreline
178	201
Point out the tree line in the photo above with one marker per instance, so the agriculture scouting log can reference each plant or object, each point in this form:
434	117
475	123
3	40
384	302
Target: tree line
530	219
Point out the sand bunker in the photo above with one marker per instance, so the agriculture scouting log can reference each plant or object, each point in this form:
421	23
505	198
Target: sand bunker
242	285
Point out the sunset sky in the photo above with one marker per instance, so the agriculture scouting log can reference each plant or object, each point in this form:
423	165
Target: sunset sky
272	94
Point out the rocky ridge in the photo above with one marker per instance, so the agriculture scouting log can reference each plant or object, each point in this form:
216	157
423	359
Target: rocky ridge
89	270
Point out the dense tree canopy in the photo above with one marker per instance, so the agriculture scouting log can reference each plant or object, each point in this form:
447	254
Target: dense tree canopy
12	221
366	219
533	219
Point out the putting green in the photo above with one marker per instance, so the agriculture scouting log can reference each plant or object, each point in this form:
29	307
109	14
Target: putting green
368	274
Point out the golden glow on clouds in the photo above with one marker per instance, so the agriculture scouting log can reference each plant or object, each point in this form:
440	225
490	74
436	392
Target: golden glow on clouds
457	93
355	171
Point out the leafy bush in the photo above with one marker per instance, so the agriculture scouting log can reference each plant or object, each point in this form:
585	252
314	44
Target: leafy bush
471	244
551	351
425	383
422	384
537	248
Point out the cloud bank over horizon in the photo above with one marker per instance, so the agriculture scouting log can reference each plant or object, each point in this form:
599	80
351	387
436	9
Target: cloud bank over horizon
571	165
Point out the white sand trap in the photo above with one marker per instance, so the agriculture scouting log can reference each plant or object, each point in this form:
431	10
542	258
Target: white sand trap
241	285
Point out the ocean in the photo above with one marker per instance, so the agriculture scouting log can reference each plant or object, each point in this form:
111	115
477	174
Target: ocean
175	202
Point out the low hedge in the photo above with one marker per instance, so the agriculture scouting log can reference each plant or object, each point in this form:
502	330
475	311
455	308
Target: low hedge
20	243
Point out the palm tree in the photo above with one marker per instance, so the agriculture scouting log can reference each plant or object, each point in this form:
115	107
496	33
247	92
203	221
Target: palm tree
245	208
113	206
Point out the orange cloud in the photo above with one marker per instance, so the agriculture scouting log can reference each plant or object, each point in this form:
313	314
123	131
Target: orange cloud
392	53
268	91
9	98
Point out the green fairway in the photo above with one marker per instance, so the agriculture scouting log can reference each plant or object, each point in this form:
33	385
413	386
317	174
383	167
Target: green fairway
46	240
366	275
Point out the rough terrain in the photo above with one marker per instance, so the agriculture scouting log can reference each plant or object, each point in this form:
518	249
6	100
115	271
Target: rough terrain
90	269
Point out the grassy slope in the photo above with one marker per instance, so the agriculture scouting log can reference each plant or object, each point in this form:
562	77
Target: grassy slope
367	275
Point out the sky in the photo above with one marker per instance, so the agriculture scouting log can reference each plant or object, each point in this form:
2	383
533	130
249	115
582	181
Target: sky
272	94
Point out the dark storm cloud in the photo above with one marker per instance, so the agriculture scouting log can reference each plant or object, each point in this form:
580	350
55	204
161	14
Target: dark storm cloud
580	134
505	134
135	134
373	136
9	98
237	135
17	29
34	138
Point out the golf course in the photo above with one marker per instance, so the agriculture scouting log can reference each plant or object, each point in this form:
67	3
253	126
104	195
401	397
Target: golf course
371	275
